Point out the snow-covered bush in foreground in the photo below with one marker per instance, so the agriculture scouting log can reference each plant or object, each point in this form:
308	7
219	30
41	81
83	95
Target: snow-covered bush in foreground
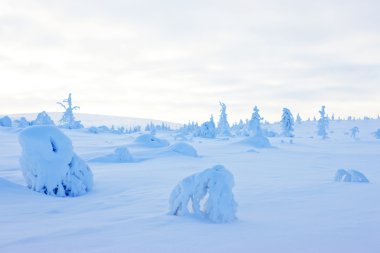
350	176
149	140
184	149
120	155
50	165
5	121
207	194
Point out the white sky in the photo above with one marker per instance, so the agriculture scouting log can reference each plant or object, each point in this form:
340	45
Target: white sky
175	60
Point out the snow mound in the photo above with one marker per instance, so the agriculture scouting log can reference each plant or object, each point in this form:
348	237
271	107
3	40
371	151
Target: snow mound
350	176
184	149
120	155
257	141
42	119
5	121
207	194
49	164
152	141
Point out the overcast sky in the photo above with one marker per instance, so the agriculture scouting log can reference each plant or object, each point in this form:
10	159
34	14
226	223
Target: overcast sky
175	60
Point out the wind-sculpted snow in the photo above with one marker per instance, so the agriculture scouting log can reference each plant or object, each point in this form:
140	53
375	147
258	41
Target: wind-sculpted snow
184	149
207	194
120	155
49	164
148	140
257	141
350	176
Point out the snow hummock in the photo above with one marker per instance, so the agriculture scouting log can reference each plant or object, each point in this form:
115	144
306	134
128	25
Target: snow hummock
350	176
5	121
207	194
257	141
184	149
49	164
120	155
149	140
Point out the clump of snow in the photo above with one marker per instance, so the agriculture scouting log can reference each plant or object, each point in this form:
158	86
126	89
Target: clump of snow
42	119
50	165
5	121
22	122
257	141
377	134
350	176
184	149
120	155
207	194
149	140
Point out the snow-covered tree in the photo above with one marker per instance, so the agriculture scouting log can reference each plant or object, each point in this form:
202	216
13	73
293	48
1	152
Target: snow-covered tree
207	129
68	119
254	126
49	164
42	119
209	193
354	132
323	123
6	121
287	123
223	125
22	122
298	119
377	134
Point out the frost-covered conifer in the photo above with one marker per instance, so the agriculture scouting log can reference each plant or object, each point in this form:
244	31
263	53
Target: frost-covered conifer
298	119
223	125
209	193
323	123
287	123
207	129
254	127
42	119
68	120
354	132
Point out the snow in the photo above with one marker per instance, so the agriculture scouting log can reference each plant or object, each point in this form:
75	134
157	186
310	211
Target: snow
5	121
350	176
149	140
184	149
120	155
207	194
49	164
287	198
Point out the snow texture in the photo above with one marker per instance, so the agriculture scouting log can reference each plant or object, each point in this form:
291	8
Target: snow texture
5	122
184	149
49	164
152	141
120	155
350	176
207	194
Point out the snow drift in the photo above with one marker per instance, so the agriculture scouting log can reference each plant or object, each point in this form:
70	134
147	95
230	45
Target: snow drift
120	155
149	140
350	176
49	164
184	149
207	194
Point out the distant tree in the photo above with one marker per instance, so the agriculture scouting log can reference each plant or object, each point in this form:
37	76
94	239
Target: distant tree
287	123
68	119
298	119
223	125
208	129
354	132
377	134
254	127
42	119
323	123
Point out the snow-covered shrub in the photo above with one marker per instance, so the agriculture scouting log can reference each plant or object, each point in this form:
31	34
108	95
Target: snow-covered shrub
149	140
287	123
5	121
42	119
120	155
68	121
323	123
254	126
207	194
223	125
208	129
184	149
354	132
257	141
99	129
377	134
22	122
50	165
350	176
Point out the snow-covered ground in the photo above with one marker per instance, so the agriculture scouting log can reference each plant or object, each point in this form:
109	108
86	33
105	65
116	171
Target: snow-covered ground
287	198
